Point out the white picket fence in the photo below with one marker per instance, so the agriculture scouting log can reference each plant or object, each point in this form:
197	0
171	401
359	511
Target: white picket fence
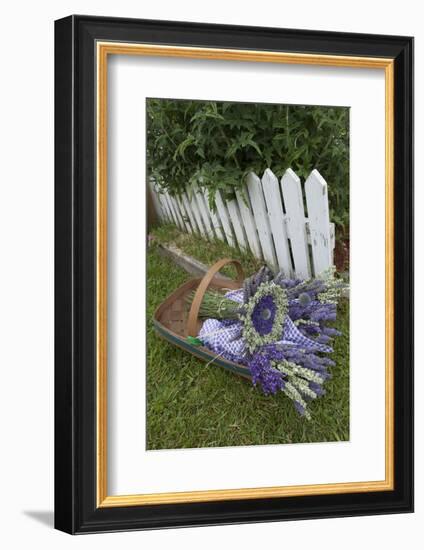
268	218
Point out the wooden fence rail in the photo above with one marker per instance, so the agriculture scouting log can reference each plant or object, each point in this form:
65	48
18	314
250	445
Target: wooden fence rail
267	217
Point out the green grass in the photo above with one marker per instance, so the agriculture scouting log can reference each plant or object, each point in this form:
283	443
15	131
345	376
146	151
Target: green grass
208	252
190	404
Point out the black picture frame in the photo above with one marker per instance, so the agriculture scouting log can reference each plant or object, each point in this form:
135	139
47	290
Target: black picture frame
76	510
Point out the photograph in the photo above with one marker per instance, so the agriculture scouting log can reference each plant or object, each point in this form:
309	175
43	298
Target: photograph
211	268
233	274
257	355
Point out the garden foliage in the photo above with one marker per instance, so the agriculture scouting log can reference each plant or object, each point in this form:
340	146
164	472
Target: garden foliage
215	144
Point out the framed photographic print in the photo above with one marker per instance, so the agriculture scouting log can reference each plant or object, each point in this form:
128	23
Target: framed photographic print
234	274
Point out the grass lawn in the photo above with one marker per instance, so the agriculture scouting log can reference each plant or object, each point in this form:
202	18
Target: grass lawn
209	252
190	404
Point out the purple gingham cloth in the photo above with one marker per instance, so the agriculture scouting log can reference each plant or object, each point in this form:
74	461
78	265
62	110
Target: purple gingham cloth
225	337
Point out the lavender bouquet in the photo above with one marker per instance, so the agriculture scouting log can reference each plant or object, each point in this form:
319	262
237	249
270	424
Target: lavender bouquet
278	327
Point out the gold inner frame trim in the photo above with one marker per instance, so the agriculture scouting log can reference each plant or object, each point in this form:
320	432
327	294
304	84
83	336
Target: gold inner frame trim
104	49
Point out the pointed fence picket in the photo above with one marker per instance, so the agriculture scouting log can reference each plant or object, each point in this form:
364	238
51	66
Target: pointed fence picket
201	203
184	214
189	213
234	213
166	214
196	213
214	218
225	218
266	216
319	221
274	205
180	221
171	208
249	222
260	213
295	219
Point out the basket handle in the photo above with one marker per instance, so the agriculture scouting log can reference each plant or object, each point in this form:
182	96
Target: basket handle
202	288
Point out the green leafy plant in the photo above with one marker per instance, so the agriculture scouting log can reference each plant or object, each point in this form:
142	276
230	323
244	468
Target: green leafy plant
215	144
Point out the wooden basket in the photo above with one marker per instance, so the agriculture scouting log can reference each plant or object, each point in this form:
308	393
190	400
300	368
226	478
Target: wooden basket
174	321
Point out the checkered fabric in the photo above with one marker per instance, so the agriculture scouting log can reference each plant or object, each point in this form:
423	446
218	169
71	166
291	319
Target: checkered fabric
225	337
292	335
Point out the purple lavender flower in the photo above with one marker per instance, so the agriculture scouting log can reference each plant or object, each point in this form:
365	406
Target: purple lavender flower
263	373
263	315
317	388
300	408
277	360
